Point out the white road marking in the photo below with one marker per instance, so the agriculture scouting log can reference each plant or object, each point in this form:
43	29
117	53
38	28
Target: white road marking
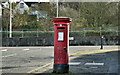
27	49
75	63
4	50
10	55
47	47
94	67
94	64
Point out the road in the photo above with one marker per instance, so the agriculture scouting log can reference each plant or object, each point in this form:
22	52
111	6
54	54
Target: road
26	59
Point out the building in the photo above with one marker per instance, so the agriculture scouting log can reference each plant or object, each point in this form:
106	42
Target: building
40	14
3	1
22	7
31	0
5	4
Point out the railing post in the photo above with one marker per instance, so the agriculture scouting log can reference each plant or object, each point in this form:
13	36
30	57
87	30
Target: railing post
100	31
22	33
37	33
84	31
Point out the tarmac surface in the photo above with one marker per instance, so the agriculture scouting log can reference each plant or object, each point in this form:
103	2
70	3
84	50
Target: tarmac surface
83	59
95	62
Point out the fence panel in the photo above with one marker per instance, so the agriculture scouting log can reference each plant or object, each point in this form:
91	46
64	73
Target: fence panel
49	32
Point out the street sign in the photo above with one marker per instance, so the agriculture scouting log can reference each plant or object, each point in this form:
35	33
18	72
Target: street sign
71	38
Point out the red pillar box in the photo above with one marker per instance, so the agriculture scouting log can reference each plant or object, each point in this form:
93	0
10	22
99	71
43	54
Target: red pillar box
61	44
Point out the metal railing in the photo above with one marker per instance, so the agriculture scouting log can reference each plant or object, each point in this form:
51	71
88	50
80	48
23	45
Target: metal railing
49	32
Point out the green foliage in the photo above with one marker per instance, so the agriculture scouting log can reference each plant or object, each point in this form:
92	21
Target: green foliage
22	21
83	14
91	14
6	18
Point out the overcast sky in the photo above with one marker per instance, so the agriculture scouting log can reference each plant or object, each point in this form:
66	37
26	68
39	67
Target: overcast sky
63	0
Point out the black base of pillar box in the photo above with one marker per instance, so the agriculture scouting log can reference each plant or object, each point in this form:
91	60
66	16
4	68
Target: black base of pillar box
101	48
61	68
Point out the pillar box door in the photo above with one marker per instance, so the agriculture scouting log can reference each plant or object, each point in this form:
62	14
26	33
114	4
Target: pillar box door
61	44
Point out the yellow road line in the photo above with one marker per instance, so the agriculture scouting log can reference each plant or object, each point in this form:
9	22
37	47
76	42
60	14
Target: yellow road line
40	67
77	53
93	51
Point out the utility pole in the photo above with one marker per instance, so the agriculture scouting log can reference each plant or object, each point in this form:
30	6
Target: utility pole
10	28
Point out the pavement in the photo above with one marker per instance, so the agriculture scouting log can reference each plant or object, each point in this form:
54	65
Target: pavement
106	62
39	60
94	62
28	59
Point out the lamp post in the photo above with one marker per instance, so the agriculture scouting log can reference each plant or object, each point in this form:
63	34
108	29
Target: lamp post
101	42
101	38
10	28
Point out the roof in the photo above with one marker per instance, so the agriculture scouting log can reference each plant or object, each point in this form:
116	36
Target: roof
25	0
3	1
30	0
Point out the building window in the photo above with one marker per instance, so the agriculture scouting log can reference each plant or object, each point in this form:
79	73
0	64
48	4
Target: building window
21	5
32	5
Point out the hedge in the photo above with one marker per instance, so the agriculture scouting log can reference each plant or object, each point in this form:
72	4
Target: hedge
5	34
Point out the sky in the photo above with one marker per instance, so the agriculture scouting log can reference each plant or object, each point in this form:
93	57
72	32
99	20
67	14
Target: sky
63	0
30	0
67	0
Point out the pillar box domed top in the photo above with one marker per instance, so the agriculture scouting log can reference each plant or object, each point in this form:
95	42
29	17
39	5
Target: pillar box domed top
61	20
